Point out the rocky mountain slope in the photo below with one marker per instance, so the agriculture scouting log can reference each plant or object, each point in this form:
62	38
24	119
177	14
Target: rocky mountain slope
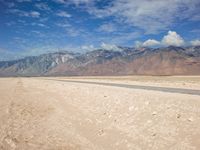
128	61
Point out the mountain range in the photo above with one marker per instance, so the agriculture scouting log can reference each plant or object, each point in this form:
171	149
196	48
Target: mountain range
122	61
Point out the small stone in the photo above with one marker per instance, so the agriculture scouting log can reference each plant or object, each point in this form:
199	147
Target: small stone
178	116
154	113
101	132
154	134
190	119
147	103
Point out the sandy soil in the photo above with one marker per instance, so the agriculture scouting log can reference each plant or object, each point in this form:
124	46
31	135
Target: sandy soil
55	115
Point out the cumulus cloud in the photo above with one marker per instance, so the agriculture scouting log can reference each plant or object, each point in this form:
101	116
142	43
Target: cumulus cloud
110	47
195	43
147	43
151	43
63	14
172	38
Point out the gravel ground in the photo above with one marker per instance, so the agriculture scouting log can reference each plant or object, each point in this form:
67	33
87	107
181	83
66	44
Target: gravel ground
54	115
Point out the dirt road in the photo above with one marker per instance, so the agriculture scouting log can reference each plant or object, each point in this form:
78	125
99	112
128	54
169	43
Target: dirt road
141	87
51	115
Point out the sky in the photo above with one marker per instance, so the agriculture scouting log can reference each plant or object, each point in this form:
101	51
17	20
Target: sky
33	27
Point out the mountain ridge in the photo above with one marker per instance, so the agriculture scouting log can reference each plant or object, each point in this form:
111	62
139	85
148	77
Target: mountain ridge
128	61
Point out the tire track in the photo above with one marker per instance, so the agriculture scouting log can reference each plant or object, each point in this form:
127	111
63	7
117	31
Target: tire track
9	141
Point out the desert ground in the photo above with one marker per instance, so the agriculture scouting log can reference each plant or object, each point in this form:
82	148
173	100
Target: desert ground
100	113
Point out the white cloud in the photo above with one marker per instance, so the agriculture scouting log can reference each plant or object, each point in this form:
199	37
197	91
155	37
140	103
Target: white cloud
147	43
39	24
172	38
42	6
151	43
64	24
107	28
33	14
195	43
73	32
20	1
87	47
138	44
63	14
110	47
76	2
60	1
150	15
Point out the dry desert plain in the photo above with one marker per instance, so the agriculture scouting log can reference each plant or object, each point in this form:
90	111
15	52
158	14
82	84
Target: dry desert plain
100	113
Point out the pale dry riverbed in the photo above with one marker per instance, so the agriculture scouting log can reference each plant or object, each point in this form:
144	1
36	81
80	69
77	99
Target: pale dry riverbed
36	113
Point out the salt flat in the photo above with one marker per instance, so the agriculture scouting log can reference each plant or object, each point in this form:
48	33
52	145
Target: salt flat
74	113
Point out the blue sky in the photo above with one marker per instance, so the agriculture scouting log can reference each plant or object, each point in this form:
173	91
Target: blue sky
32	27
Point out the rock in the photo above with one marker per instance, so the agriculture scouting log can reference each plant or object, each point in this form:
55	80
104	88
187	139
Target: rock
178	116
154	134
190	119
101	132
154	113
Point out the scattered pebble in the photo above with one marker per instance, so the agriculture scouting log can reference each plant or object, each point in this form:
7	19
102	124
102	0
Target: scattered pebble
154	134
178	116
154	113
190	119
101	132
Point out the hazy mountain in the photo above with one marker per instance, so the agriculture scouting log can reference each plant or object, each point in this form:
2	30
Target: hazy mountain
128	61
34	66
